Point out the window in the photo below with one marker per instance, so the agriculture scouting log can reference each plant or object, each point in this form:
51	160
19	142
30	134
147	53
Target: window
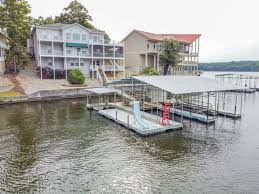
81	64
49	51
44	36
76	36
77	64
84	52
147	46
55	37
69	51
154	46
96	39
0	52
72	64
68	36
49	63
83	37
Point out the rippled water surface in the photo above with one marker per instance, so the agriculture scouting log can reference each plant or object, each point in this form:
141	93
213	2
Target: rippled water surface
57	147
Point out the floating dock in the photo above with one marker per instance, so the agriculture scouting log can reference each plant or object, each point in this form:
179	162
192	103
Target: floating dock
194	116
127	119
229	114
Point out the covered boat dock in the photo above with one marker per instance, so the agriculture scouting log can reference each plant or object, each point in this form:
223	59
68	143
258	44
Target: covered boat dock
192	97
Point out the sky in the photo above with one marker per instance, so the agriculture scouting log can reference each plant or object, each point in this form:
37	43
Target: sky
229	28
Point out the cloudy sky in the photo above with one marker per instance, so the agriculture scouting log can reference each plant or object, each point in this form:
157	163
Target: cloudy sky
229	28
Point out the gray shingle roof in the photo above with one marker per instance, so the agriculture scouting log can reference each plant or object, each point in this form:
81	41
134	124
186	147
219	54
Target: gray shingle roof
60	26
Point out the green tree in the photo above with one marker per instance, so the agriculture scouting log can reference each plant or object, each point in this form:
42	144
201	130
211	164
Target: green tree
43	21
170	54
16	23
150	71
75	12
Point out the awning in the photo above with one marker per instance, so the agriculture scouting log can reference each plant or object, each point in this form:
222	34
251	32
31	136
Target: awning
77	45
186	84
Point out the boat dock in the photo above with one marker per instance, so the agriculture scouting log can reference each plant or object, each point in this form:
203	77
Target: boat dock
125	116
127	119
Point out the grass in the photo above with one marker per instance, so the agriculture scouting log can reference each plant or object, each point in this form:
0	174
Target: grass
10	94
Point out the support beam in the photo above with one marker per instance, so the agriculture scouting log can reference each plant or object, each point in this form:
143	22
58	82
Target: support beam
146	58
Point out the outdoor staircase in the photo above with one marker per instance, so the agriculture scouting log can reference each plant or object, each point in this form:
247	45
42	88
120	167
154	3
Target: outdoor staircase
103	76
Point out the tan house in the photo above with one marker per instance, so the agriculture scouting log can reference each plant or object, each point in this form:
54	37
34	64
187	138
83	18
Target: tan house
2	53
142	49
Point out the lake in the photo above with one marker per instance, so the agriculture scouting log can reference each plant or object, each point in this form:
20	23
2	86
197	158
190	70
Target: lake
60	147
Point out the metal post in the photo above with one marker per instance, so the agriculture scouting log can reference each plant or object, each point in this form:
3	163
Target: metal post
208	105
116	114
115	99
182	111
198	97
235	105
215	104
241	103
191	104
218	102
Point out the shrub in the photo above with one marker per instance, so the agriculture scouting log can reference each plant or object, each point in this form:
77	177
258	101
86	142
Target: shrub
150	71
75	76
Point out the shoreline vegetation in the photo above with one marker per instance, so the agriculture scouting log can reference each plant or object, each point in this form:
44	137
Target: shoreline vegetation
241	66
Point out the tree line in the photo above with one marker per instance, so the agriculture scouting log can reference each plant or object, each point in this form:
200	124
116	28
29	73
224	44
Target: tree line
231	66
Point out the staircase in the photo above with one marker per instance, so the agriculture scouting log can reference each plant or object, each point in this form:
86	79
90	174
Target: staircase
103	76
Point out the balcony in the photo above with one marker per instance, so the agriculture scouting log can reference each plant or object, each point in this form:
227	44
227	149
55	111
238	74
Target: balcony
52	53
119	55
97	54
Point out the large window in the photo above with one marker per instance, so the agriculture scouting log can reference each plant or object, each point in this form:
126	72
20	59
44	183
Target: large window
83	37
76	36
1	52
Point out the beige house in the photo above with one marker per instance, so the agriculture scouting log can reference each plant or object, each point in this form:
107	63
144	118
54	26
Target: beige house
2	53
142	49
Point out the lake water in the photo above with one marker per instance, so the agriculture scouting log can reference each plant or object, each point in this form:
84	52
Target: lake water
56	147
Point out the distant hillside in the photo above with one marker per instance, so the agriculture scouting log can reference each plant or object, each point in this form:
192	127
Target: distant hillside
230	66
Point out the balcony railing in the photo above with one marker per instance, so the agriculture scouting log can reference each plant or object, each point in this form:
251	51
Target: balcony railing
119	55
49	52
97	54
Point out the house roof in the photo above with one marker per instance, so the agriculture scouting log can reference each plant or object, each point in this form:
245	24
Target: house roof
187	38
60	26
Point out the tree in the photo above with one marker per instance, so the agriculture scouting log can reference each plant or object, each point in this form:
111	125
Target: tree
43	21
16	23
170	54
75	12
150	71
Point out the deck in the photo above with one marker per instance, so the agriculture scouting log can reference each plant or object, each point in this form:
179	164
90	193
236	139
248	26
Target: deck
194	116
126	118
229	114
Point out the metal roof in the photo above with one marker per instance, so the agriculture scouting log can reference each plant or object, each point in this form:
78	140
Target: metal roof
186	84
102	90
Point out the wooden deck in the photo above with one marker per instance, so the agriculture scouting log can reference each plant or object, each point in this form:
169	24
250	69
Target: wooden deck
126	118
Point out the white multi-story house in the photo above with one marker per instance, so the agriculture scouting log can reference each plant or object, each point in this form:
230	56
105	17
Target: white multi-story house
143	49
2	53
60	47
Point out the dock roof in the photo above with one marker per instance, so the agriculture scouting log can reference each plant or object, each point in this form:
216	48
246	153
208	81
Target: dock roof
186	84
